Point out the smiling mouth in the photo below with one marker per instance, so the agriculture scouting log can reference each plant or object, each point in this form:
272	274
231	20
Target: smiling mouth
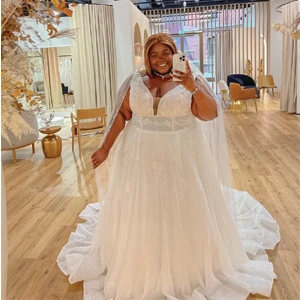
162	65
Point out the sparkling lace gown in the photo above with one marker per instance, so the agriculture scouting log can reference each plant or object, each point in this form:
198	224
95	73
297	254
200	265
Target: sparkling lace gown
163	230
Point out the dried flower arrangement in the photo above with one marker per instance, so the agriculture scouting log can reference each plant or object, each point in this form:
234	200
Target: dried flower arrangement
15	66
292	30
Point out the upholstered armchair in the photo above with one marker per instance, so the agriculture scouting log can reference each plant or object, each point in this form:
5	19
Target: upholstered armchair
38	87
244	80
26	139
238	93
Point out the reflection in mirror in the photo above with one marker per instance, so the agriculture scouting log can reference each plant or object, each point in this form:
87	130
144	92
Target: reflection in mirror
56	63
138	47
145	36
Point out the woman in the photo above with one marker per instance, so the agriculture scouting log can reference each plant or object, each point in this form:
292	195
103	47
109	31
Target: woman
169	225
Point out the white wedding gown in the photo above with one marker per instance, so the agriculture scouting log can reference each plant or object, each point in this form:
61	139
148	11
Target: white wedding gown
163	230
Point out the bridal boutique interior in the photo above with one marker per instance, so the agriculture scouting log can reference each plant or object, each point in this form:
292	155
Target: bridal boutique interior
230	43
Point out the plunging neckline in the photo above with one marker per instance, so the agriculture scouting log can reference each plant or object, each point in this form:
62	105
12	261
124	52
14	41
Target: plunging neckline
152	97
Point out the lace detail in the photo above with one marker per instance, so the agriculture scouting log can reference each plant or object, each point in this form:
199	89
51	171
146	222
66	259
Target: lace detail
163	124
175	103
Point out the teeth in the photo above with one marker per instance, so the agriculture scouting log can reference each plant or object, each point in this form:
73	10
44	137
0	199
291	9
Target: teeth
162	65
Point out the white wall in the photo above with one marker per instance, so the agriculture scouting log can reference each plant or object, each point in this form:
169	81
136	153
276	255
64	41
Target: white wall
126	15
141	19
275	43
64	51
124	40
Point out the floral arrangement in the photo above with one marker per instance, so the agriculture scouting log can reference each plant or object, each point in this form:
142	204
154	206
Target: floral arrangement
260	69
16	69
292	30
248	68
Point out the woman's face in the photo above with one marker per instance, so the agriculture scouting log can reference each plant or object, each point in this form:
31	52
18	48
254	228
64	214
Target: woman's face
161	58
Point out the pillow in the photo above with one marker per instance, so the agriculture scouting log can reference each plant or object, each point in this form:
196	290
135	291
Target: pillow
40	88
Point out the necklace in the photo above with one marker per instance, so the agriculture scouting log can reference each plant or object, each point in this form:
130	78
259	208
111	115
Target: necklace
162	76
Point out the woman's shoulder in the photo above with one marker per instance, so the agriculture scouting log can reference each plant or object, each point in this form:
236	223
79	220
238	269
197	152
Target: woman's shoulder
143	73
140	74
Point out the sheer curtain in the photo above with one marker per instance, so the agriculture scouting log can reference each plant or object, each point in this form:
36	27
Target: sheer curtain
223	55
53	91
93	56
288	95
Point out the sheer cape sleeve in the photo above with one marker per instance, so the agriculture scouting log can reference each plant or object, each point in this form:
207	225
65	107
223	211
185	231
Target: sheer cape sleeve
215	134
102	172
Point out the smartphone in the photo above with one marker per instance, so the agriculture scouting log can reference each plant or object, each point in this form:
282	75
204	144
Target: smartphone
179	63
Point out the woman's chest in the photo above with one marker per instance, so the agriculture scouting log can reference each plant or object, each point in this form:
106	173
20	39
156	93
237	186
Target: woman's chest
174	101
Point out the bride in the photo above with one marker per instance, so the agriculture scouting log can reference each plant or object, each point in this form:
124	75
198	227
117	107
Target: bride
168	224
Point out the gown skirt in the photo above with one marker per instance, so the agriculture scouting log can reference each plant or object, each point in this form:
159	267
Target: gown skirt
162	229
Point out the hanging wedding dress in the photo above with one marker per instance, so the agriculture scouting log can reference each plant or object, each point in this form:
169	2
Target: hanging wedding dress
163	228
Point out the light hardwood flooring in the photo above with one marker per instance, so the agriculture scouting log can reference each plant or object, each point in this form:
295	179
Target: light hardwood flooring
45	197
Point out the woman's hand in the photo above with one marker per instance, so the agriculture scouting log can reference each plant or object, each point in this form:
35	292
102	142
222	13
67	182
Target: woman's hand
186	79
99	156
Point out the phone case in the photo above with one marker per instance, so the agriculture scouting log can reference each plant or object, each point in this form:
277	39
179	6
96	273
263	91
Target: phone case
179	63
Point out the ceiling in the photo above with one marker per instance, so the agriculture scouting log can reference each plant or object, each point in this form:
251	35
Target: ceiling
168	4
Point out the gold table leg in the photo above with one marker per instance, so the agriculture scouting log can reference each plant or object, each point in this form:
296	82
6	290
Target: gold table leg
236	105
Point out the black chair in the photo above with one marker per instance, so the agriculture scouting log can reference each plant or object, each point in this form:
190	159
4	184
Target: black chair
244	80
65	92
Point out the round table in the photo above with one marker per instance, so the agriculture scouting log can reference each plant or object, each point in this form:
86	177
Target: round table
51	143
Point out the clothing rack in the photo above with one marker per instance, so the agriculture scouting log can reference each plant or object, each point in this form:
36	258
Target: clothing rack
66	55
278	7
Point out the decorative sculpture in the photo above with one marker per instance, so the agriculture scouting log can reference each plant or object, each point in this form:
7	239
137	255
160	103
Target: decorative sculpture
260	69
248	68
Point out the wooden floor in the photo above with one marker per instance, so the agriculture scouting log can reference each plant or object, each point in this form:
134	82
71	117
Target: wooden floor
45	196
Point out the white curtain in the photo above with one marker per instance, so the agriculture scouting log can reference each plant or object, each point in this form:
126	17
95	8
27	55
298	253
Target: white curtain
288	95
52	84
223	55
93	57
65	71
4	241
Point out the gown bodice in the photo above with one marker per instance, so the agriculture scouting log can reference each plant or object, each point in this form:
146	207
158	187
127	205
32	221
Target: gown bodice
175	103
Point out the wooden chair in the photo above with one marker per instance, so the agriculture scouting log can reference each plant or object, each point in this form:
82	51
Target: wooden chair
224	89
238	93
266	82
99	122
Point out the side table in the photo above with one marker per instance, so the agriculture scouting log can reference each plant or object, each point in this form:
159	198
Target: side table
51	143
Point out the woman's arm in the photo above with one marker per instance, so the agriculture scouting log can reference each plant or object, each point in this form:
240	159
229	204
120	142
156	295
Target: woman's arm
204	106
124	114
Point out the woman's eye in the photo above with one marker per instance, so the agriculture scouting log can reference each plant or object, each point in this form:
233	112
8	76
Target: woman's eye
154	56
